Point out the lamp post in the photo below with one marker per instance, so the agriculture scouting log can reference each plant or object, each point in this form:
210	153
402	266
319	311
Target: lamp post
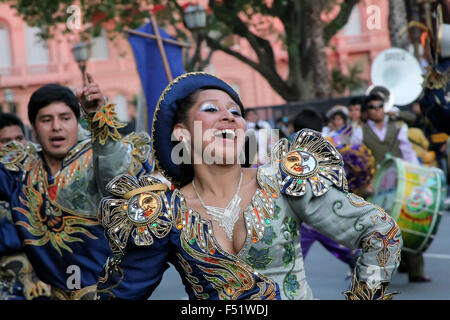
195	21
195	17
9	98
80	52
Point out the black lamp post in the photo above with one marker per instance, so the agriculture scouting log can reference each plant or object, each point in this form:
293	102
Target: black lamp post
195	21
9	98
195	17
80	52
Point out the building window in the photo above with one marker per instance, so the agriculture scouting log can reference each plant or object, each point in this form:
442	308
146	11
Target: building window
353	26
5	51
99	47
121	108
37	50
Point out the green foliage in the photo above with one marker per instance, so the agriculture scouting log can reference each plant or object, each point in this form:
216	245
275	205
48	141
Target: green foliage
340	82
228	21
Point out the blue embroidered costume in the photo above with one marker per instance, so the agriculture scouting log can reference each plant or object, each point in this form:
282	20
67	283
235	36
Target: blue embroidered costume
54	219
149	227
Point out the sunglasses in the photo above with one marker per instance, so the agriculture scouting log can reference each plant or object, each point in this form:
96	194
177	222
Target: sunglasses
374	106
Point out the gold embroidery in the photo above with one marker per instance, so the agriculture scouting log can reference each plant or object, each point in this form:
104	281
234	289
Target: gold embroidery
230	276
140	216
308	158
13	154
104	124
360	290
86	293
140	151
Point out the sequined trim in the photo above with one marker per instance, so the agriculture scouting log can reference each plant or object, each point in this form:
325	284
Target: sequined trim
86	293
308	158
141	217
13	154
140	151
230	276
434	79
360	290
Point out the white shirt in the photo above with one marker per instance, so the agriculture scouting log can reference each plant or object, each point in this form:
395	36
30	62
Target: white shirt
408	153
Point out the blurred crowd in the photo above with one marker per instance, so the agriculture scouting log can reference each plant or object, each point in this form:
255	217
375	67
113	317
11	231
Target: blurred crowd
343	123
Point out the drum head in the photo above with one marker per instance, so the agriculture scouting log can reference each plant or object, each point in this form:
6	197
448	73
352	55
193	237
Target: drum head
414	196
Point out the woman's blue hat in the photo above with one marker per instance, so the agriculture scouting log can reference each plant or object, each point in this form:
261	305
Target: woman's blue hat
165	112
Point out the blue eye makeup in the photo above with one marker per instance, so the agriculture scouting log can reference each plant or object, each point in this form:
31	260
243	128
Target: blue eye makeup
235	111
209	107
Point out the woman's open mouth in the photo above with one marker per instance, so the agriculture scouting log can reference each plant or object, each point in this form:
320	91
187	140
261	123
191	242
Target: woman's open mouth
227	134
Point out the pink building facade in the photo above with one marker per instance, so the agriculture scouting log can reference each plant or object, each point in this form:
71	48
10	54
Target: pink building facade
26	64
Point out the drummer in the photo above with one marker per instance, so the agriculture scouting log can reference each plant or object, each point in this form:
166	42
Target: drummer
382	136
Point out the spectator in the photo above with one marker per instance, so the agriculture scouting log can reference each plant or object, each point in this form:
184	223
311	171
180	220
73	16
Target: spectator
262	131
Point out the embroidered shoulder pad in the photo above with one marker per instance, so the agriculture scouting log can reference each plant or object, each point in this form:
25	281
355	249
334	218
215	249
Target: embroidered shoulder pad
13	154
139	209
308	158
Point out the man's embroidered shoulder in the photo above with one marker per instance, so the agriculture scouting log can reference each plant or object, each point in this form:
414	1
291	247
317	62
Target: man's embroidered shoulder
13	155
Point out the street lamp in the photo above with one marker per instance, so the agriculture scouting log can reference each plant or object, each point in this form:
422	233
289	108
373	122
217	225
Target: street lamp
80	52
195	21
9	98
195	17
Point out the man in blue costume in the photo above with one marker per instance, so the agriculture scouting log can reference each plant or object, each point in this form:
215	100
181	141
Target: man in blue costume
18	280
54	193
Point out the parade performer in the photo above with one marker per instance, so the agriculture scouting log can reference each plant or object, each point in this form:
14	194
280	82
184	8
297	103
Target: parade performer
232	233
434	104
18	280
54	193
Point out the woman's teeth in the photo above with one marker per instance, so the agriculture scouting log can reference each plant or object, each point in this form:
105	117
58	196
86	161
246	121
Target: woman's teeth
226	134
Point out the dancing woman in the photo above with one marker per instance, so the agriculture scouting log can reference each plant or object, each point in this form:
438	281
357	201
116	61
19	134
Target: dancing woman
232	232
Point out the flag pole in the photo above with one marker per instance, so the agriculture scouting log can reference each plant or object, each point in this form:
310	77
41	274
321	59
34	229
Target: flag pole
151	36
161	47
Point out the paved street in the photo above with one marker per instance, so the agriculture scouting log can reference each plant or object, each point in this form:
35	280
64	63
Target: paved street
326	274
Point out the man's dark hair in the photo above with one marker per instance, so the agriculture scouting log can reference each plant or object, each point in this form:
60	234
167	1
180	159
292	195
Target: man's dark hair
10	119
48	94
355	100
308	118
370	98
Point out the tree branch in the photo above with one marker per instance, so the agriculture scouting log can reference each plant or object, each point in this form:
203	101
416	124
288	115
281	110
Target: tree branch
286	91
341	19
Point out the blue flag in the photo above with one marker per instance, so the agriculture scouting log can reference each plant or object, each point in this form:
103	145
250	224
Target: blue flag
150	65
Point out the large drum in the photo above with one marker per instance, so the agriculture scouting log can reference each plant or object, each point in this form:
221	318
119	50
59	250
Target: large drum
414	196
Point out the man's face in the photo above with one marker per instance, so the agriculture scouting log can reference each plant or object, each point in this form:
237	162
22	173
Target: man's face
375	111
56	129
11	133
